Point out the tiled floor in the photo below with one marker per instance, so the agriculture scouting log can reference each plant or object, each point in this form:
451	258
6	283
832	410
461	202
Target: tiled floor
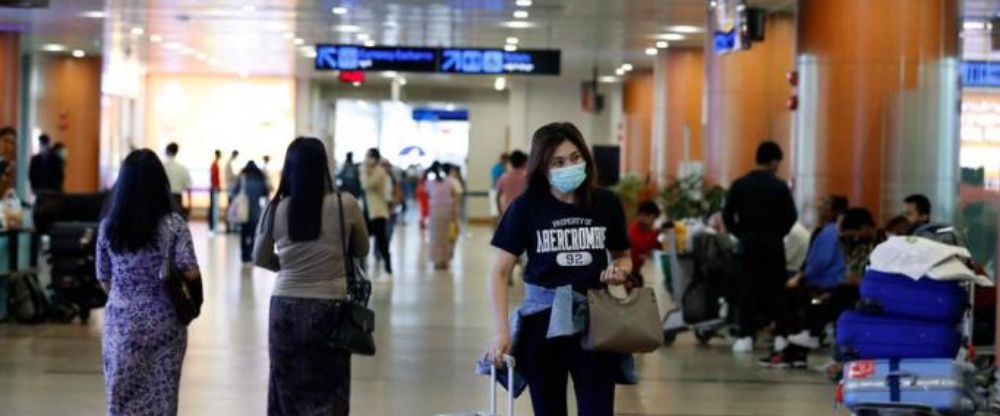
431	327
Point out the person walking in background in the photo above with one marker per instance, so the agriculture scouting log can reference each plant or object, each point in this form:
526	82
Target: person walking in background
253	183
57	166
179	177
423	198
513	183
38	166
760	211
443	206
350	177
562	201
496	172
229	182
143	342
308	376
215	186
266	168
376	185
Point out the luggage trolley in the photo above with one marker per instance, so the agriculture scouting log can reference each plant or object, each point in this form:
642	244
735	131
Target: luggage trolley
677	272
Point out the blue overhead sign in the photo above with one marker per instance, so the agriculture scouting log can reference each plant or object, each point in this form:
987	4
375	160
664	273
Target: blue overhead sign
445	60
981	74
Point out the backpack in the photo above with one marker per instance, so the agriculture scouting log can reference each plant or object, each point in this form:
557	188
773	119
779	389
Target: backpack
28	303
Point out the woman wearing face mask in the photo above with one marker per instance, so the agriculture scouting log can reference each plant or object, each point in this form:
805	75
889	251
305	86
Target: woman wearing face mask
568	227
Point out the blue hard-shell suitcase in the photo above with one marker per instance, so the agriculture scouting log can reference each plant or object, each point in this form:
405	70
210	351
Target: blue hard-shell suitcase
861	336
900	296
883	386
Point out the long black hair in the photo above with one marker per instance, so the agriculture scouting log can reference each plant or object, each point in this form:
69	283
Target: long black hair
252	172
139	201
543	145
305	181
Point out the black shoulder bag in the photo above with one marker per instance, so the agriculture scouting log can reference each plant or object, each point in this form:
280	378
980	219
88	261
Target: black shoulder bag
355	327
186	295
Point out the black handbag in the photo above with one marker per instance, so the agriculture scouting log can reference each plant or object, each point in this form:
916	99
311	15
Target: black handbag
186	295
355	326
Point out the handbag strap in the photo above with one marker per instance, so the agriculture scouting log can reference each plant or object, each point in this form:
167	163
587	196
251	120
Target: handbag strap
351	278
168	255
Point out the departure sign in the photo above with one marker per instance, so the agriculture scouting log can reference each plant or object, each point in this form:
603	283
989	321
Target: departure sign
496	61
359	58
445	60
980	74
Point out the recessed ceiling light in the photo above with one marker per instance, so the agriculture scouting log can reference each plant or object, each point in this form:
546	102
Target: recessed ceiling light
137	31
513	41
500	83
516	24
619	72
523	3
401	81
94	15
390	74
310	54
54	47
347	28
686	29
662	44
651	51
509	48
671	36
79	54
973	25
340	10
520	14
364	36
356	84
369	43
608	79
627	67
300	41
155	38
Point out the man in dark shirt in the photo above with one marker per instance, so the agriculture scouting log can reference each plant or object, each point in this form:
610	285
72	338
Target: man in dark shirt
38	167
760	211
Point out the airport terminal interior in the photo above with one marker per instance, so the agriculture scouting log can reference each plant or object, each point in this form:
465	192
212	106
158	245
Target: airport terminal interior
878	111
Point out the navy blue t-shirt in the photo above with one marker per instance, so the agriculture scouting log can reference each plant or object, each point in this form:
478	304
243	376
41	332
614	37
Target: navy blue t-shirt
566	244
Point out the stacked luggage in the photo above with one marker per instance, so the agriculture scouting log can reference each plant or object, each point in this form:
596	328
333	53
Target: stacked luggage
74	279
900	346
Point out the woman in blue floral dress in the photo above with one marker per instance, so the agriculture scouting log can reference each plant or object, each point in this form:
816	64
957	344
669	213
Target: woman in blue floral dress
143	342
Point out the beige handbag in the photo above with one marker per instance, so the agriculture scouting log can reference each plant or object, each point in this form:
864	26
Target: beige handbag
629	325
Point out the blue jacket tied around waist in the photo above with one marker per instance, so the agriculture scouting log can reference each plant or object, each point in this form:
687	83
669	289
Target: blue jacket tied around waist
568	318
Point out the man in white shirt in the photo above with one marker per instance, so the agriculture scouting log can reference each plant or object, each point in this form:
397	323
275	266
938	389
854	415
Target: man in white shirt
178	176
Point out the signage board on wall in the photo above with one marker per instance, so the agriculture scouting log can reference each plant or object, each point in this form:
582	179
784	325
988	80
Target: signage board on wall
442	60
980	74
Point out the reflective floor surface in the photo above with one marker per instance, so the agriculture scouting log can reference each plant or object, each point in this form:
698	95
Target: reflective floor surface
431	328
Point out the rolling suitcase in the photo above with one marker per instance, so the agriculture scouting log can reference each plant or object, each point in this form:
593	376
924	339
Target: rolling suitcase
902	297
882	387
509	363
861	336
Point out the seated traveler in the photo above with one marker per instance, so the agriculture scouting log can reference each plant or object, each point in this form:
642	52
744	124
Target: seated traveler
834	281
644	239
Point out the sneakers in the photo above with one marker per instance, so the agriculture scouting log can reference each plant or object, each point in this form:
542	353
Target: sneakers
780	343
743	345
804	339
780	360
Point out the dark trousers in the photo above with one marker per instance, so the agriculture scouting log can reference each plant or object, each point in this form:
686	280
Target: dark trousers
547	365
378	227
213	208
840	299
247	234
762	291
179	200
